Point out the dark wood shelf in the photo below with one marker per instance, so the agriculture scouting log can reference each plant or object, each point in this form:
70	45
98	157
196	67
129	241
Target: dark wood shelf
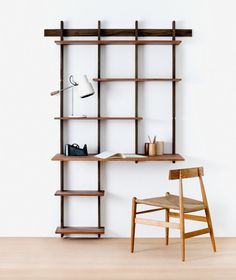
79	193
118	32
136	80
98	118
166	157
80	230
118	42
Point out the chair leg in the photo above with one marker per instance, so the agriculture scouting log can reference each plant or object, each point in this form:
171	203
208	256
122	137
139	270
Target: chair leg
167	229
208	217
182	236
134	205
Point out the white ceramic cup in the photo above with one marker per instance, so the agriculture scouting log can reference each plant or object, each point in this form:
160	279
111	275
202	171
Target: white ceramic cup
159	148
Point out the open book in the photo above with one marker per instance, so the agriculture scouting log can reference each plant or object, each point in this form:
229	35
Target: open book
108	154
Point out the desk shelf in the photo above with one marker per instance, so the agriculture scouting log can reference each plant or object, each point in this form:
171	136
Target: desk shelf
166	157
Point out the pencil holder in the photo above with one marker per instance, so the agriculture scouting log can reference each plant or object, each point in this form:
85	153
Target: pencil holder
159	148
152	149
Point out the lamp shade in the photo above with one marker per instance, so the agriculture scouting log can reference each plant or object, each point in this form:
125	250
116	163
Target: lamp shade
85	87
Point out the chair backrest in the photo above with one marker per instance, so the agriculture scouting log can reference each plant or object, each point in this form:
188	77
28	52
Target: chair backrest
186	173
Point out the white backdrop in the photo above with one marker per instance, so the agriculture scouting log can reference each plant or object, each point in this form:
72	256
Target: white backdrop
29	136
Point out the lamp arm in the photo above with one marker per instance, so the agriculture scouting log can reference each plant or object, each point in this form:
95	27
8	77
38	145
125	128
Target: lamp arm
55	92
58	91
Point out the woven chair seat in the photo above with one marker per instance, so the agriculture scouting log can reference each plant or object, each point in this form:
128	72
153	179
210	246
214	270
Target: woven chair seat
172	202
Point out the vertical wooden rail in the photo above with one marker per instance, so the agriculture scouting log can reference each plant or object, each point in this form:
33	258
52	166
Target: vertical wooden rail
136	88
99	123
61	126
173	91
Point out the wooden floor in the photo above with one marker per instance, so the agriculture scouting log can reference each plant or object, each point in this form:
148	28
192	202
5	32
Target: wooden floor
107	259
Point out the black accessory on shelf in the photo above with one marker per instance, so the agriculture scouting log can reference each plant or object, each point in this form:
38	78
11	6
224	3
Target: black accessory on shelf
75	150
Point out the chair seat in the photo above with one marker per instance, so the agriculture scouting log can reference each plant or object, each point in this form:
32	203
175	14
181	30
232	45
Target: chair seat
172	202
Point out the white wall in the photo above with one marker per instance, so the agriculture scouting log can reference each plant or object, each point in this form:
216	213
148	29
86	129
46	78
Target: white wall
29	136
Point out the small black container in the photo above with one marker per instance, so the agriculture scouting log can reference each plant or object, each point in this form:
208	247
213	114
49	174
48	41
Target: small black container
75	150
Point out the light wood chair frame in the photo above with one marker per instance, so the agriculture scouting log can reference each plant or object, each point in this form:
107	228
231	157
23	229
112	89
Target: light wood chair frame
179	174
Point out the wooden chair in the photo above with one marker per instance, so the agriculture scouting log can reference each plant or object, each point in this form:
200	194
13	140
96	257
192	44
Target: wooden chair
183	204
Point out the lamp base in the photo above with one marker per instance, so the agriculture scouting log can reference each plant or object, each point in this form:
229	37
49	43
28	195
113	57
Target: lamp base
77	116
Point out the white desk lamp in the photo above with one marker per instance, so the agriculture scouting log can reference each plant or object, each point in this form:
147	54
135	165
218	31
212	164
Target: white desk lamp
85	89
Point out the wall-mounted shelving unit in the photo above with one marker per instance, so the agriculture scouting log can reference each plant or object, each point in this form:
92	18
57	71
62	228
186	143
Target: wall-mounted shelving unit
136	33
